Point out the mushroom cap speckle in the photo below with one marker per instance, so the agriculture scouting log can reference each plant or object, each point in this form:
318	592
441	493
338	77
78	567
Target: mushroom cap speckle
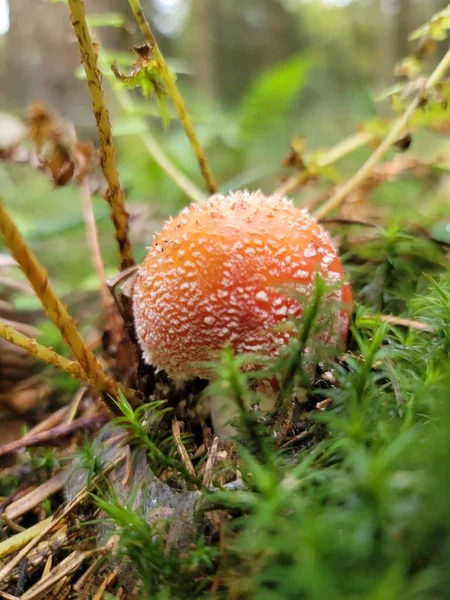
226	272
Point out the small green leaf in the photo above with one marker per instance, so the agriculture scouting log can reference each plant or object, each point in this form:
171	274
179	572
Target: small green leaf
438	32
145	75
409	67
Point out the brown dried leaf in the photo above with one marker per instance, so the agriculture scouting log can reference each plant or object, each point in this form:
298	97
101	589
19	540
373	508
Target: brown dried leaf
52	141
295	158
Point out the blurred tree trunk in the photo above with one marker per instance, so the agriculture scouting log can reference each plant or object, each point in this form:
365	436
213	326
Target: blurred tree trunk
41	55
384	45
274	43
204	47
236	49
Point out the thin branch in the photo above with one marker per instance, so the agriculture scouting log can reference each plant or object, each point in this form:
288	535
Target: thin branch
400	321
115	324
58	313
94	244
114	195
159	156
42	352
174	93
398	129
336	153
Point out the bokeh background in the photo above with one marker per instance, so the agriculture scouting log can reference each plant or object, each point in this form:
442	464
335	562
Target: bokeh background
255	74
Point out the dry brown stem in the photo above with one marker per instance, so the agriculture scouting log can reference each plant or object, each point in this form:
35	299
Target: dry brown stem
94	244
115	325
212	455
336	153
180	446
401	322
52	522
51	435
114	195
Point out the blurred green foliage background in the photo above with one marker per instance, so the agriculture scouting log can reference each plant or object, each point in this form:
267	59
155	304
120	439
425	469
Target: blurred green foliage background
254	73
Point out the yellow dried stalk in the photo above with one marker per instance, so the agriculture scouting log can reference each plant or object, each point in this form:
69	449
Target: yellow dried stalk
114	195
42	352
174	93
58	313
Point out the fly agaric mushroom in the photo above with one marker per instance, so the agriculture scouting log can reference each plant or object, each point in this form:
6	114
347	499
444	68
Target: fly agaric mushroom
217	275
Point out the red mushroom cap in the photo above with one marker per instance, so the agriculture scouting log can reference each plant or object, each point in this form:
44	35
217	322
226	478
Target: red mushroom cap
216	275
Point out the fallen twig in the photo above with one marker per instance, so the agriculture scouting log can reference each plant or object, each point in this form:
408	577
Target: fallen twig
34	498
181	449
51	435
68	565
44	527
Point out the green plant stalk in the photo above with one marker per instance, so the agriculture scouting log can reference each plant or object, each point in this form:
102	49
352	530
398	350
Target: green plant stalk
398	129
138	437
41	352
367	366
156	152
249	425
295	359
115	195
58	313
174	93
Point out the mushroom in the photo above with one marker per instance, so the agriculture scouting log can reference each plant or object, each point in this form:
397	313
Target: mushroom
219	275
